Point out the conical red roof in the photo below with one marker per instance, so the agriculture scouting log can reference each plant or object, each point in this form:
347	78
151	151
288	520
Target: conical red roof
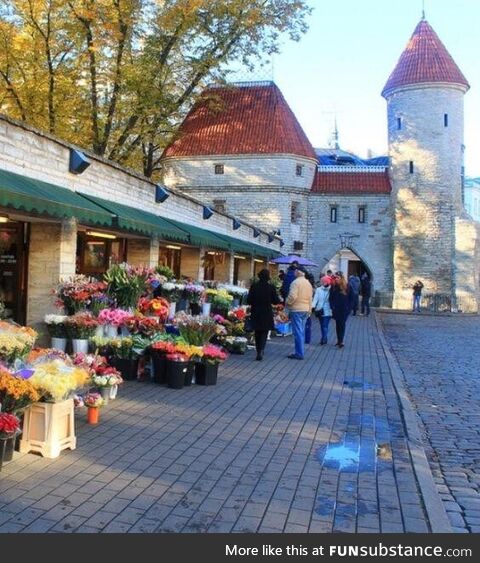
252	118
425	60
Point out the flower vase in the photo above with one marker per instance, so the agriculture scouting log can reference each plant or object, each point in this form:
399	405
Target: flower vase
80	345
92	415
124	331
206	307
113	392
110	331
59	343
172	310
99	332
206	373
195	309
7	446
3	446
105	393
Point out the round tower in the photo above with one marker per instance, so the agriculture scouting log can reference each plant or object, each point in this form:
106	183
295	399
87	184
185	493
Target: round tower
424	97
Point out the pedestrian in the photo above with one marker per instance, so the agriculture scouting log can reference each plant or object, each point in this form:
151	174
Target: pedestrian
299	303
341	299
288	279
417	295
261	297
321	306
308	326
366	292
354	284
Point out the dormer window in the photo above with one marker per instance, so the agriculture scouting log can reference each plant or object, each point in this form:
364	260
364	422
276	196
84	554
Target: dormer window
299	170
219	169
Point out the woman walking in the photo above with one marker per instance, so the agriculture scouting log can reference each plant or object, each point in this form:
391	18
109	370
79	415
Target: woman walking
341	300
321	306
261	297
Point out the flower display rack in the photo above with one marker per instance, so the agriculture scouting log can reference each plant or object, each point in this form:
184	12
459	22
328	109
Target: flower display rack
49	428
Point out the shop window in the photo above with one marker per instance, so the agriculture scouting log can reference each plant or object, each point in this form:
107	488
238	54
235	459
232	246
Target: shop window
219	169
171	256
95	254
333	214
13	271
361	214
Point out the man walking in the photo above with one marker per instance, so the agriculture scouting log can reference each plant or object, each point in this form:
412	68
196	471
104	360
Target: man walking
299	303
366	292
354	285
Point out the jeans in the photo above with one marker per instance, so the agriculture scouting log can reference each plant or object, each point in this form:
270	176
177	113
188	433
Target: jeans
365	306
416	302
324	322
299	321
260	340
308	330
340	327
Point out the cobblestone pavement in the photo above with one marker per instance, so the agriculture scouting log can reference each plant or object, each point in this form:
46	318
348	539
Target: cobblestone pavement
440	360
276	446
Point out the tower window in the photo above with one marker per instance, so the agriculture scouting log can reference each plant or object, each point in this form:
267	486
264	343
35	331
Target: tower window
399	123
411	167
445	119
361	214
297	245
219	169
295	214
299	170
333	214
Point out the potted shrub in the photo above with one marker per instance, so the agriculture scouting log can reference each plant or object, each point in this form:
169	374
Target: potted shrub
159	351
80	328
9	428
123	356
206	371
57	329
93	402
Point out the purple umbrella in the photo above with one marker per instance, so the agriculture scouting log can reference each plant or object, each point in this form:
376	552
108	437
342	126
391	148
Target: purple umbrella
293	258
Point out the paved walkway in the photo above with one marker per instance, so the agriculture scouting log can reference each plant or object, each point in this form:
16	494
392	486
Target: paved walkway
277	446
440	360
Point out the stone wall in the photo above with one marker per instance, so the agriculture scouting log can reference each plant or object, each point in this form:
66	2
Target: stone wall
143	252
190	262
467	254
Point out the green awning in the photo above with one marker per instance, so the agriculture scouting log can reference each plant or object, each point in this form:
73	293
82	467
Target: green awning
34	196
143	222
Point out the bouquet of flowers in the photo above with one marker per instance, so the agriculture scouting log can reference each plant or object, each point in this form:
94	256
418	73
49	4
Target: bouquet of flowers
236	344
106	380
194	292
15	341
76	293
97	366
157	306
16	393
234	290
93	400
213	354
145	326
209	294
166	272
81	326
196	330
55	380
172	291
115	317
56	325
164	347
39	355
189	351
123	348
221	300
9	425
125	284
237	315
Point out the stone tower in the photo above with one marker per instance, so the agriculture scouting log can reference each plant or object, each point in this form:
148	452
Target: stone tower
425	104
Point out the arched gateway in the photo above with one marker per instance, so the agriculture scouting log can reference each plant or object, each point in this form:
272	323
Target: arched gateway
348	262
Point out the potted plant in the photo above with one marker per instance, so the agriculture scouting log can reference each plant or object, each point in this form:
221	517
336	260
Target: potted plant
208	297
196	330
206	371
93	402
172	293
177	367
124	357
9	428
57	329
104	383
80	328
159	351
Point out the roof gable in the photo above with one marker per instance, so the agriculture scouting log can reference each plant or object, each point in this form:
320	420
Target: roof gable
248	119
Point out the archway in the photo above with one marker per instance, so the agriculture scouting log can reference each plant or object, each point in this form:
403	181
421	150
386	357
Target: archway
348	262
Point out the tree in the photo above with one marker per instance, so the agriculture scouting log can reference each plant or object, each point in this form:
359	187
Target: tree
116	76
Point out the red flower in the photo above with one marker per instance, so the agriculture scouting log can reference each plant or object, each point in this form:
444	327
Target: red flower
9	423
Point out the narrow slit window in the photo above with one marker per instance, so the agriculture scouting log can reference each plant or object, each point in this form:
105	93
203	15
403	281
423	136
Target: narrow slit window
411	167
333	214
361	214
399	123
445	119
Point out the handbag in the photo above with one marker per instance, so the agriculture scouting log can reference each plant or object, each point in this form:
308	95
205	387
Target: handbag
319	313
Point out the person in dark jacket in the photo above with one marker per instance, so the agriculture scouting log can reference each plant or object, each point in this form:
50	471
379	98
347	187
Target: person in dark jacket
261	297
341	301
288	279
366	293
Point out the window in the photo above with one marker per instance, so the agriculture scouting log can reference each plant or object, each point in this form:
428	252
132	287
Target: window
333	214
445	119
411	167
295	214
220	205
361	214
299	170
219	169
399	123
297	245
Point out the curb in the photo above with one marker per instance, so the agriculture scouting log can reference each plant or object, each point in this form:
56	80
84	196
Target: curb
436	513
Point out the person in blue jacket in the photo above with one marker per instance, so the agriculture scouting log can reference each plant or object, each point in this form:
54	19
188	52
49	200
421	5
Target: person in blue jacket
288	279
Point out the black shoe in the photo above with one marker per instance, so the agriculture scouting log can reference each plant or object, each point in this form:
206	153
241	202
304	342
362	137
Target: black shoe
294	357
259	357
341	345
322	342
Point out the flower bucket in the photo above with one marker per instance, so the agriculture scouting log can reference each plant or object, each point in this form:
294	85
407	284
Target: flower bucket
113	392
59	343
189	374
80	345
7	446
110	331
105	393
3	446
172	310
124	331
127	367
195	309
206	374
159	367
176	372
99	331
93	415
236	302
206	307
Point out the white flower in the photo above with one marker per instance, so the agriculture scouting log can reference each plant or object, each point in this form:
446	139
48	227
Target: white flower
169	286
55	319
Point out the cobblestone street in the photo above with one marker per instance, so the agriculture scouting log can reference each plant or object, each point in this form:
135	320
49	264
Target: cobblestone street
440	360
313	446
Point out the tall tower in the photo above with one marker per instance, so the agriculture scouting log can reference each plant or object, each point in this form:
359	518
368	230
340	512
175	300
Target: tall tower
424	97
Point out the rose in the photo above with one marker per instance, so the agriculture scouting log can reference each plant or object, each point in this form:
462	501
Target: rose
9	424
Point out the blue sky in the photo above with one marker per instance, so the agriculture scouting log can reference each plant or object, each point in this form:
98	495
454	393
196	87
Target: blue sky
341	65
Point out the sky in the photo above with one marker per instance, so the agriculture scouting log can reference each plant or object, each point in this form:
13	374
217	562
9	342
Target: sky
341	64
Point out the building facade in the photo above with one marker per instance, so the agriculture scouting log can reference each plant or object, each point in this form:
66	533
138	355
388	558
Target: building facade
398	218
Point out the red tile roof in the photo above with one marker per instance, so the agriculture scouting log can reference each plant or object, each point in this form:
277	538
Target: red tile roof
425	60
247	119
346	183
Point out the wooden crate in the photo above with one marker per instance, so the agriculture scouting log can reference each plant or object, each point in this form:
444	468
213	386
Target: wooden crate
48	428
